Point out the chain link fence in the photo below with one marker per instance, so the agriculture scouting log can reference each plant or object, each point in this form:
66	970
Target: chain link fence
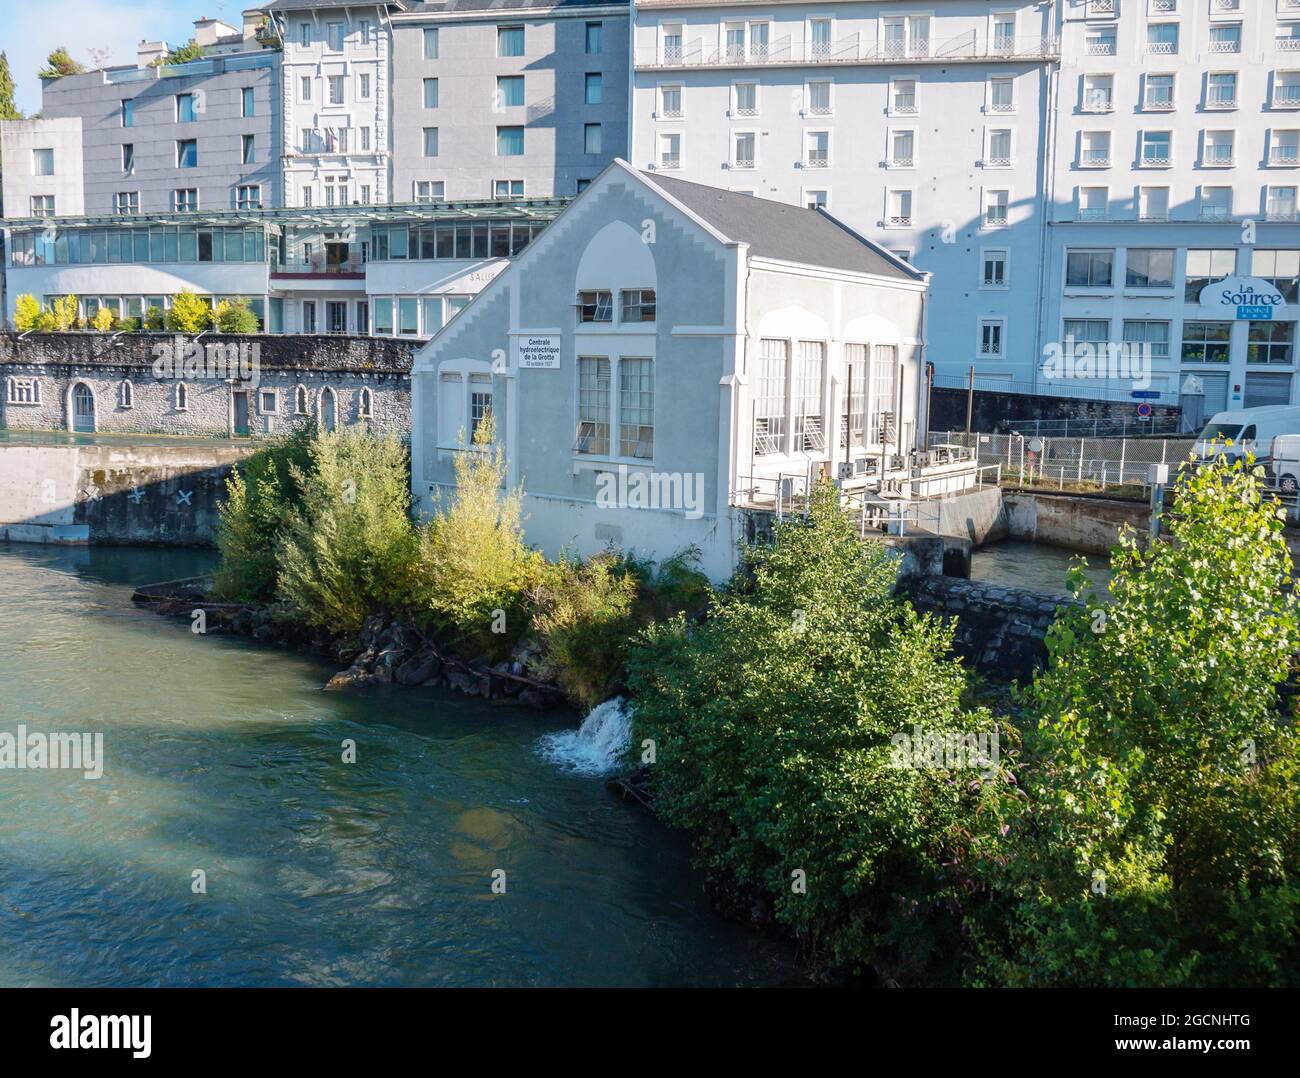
1086	464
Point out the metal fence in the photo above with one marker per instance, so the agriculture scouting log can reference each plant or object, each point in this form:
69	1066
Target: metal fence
1125	427
1071	463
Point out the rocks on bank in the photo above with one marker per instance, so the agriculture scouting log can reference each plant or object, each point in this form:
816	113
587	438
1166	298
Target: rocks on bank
387	651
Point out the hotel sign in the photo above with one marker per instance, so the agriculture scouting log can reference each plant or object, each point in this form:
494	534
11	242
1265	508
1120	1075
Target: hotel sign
1242	298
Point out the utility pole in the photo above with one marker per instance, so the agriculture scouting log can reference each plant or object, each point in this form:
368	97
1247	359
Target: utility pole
970	401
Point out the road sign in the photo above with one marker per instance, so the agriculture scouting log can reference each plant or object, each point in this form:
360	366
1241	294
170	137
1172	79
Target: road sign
1144	410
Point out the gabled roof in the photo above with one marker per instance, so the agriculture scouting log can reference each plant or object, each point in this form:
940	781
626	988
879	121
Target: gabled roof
784	232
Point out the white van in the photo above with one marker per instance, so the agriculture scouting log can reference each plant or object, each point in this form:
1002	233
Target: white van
1284	463
1250	430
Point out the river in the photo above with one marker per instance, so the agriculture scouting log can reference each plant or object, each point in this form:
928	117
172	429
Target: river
1036	567
224	757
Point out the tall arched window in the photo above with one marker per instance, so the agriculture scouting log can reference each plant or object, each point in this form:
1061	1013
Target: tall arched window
182	397
328	404
300	401
365	404
126	394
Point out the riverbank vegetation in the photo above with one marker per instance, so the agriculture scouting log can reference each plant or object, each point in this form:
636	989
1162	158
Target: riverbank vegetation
317	528
1141	827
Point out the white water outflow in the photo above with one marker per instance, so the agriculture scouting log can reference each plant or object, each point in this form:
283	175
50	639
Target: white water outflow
597	746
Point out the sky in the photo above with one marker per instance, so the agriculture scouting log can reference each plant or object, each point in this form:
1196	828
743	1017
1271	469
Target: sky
31	29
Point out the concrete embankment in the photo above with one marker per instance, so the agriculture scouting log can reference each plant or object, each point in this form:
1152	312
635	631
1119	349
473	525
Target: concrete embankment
145	494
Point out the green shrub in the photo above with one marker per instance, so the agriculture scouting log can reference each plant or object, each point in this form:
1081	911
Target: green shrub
350	550
129	325
103	320
27	312
476	571
1155	836
155	319
236	317
262	493
64	314
584	616
189	313
774	725
60	63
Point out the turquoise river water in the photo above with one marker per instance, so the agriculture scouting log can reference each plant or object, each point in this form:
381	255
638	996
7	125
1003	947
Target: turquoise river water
224	757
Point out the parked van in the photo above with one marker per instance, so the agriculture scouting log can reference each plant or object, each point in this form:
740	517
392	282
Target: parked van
1284	463
1250	430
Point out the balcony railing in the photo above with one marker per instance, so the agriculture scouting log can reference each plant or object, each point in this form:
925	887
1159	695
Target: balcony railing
1219	156
1101	7
1159	104
1283	155
1162	48
908	108
1225	5
1215	213
1286	97
1153	215
1163	7
1225	46
743	162
1280	213
1101	47
855	48
1093	214
1290	43
318	266
1155	160
998	161
1095	158
900	221
1098	104
902	162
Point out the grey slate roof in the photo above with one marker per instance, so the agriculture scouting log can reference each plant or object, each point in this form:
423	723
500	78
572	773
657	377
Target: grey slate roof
307	5
779	230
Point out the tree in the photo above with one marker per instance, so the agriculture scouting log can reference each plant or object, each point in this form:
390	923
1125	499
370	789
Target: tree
191	50
235	316
65	314
60	63
8	107
776	727
1159	841
103	320
189	313
27	312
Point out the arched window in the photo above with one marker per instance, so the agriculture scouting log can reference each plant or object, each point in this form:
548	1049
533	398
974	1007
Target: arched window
365	404
83	408
328	406
182	397
126	394
300	401
23	390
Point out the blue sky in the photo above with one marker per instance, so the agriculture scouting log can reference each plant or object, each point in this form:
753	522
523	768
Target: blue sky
30	29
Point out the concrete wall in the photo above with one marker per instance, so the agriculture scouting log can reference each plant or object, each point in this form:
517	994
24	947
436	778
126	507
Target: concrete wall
18	138
1073	521
158	494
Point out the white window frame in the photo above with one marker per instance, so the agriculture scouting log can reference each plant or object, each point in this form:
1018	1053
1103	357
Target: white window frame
1147	104
985	194
985	254
735	162
665	137
991	320
902	222
902	164
660	112
807	155
1079	210
734	111
1084	162
829	83
915	80
988	161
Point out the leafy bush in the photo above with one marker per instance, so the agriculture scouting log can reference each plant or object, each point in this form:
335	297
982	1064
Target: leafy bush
64	314
154	319
774	724
189	313
473	559
262	493
27	312
585	615
103	320
349	550
60	63
129	325
235	317
1159	841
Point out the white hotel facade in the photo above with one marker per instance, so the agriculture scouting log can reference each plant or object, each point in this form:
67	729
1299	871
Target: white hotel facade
1066	170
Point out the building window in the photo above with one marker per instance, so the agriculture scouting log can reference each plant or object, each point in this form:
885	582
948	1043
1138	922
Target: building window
742	149
266	402
300	400
991	338
817	149
1149	267
182	397
1205	267
185	200
994	274
1279	204
246	149
999	149
305	88
510	91
429	190
304	34
744	98
591	138
670	150
898	208
997	205
1152	336
902	97
365	403
1270	342
430	142
1098	93
431	43
1002	94
510	41
670	102
1089	269
335	32
882	418
596	305
770	397
334	83
127	112
430	93
23	391
306	194
186	108
1217	150
43	162
902	148
1094	203
1158	93
819	97
187	153
593	88
1221	90
365	142
246	101
1226	38
1206	342
1281	269
593	405
638	305
126	202
1284	148
1099	41
810	370
1086	336
248	196
383	316
1216	203
126	394
636	408
1153	204
363	86
816	200
1094	149
309	316
510	141
1286	90
595	38
1162	38
1157	149
507	188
